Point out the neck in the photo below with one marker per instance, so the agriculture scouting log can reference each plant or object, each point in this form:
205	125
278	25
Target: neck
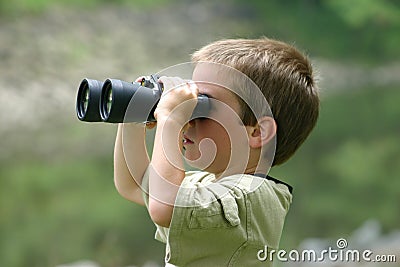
261	167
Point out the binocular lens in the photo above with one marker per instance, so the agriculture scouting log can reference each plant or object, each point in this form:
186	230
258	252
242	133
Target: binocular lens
85	100
109	100
88	98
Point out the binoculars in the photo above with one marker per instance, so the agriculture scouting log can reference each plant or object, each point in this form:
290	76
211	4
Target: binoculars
117	101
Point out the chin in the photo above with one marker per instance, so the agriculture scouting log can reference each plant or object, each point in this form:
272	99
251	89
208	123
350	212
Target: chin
204	166
191	156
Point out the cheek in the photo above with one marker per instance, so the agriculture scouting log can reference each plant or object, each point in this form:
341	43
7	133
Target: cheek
217	133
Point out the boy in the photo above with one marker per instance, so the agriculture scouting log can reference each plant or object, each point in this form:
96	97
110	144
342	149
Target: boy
224	214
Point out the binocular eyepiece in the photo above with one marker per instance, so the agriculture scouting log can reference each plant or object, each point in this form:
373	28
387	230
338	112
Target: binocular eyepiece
117	101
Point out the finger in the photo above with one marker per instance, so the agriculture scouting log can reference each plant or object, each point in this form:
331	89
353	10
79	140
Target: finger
171	82
193	87
139	79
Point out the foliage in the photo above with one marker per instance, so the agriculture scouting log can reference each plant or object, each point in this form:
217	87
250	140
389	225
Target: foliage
361	12
338	29
17	7
367	29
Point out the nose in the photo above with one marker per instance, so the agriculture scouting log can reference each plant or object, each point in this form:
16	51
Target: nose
192	123
188	125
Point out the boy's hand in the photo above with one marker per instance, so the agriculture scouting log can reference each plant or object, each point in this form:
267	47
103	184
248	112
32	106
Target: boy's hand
150	124
178	100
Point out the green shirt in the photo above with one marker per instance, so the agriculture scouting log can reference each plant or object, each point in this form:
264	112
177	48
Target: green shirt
224	222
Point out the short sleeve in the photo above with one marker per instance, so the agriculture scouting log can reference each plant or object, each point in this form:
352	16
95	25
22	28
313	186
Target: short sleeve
210	204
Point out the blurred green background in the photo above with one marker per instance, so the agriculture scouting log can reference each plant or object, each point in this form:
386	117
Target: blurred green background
58	203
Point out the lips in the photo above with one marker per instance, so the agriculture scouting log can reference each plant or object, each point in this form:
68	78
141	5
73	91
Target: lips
187	141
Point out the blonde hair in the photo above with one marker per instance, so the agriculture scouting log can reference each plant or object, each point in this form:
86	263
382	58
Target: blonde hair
285	78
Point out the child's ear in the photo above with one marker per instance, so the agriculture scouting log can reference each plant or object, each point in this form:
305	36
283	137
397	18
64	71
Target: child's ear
260	134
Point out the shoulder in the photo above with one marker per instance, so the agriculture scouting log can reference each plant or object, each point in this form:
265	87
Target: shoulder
260	191
230	194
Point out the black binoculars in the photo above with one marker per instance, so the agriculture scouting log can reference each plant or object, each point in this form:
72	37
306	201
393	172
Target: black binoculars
117	101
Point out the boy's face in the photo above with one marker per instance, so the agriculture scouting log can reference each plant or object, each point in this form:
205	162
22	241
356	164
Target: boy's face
208	141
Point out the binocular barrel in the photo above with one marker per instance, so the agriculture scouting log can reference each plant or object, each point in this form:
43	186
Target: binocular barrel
117	101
